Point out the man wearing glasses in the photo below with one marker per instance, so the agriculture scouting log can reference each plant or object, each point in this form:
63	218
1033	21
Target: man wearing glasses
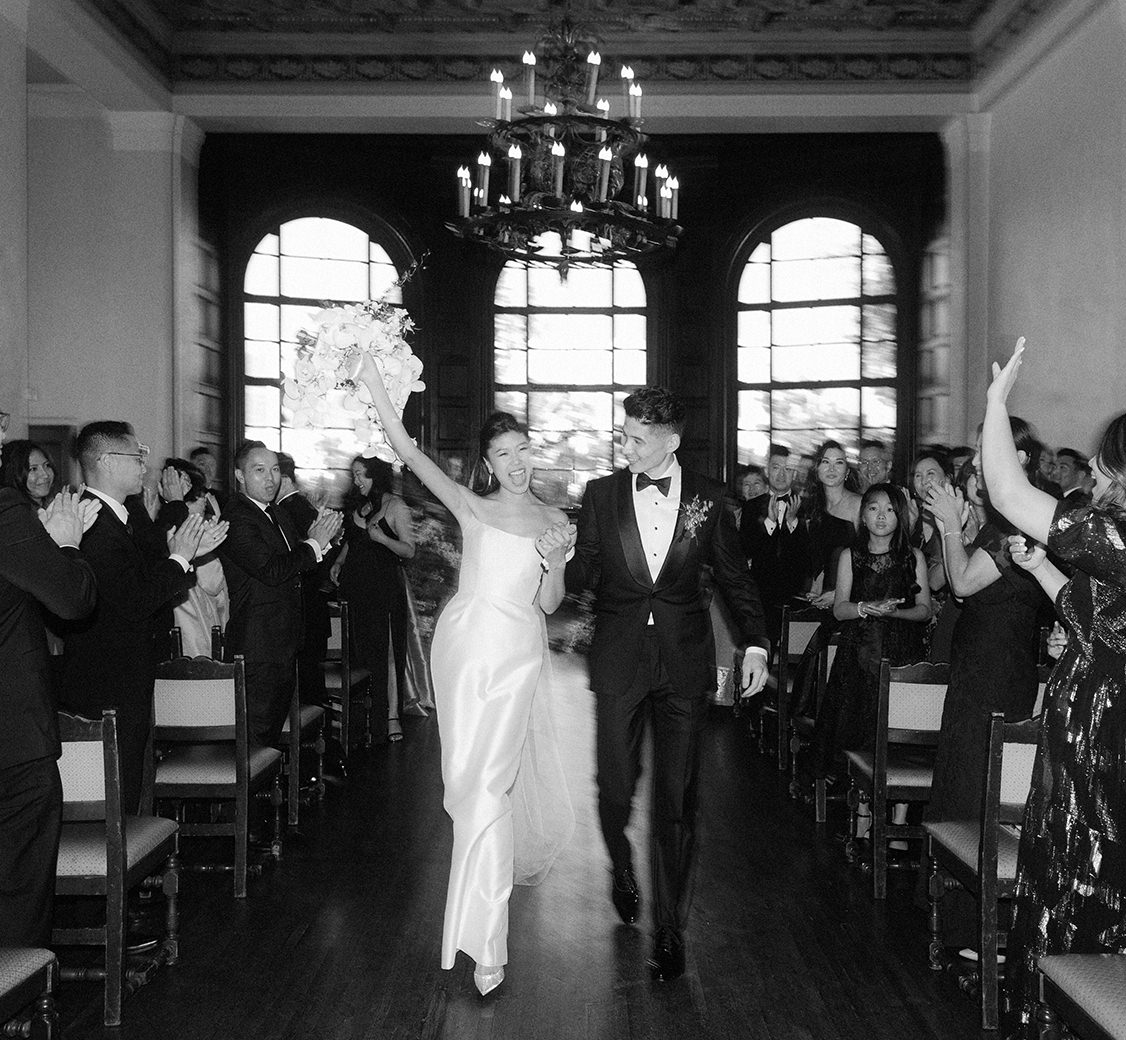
875	464
109	660
40	568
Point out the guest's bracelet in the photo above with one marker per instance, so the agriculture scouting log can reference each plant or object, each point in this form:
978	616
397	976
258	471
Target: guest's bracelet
949	533
860	611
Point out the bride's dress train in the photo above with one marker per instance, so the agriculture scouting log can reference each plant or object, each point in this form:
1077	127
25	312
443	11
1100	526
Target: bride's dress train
504	784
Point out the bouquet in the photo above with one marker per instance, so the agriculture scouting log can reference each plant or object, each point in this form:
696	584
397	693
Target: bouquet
324	384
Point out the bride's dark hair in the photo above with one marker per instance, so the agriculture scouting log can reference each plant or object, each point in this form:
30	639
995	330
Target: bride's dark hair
481	481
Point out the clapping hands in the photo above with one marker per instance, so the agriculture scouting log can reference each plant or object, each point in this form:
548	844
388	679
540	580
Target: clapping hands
326	527
196	537
69	516
554	544
948	506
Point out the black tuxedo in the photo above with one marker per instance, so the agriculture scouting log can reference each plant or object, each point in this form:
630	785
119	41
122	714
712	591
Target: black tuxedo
34	575
109	659
669	665
779	558
263	560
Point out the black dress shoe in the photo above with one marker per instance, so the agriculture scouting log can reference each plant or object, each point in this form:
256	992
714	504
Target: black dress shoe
667	962
626	895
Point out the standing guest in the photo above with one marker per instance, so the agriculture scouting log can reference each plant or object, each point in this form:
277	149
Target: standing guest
992	659
1044	471
109	659
875	464
1071	867
959	455
931	469
1071	472
28	469
776	541
750	482
833	514
378	537
204	459
263	560
644	533
40	568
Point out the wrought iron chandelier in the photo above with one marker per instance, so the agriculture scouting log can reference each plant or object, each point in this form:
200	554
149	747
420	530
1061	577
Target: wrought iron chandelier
576	185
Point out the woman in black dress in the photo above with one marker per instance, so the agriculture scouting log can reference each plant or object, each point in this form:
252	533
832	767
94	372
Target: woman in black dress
378	534
1071	868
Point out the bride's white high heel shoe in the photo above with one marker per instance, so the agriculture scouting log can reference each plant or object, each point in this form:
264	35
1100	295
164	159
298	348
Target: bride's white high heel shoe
487	977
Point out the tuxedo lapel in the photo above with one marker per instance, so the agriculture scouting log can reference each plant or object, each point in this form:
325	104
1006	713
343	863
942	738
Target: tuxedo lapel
681	543
627	530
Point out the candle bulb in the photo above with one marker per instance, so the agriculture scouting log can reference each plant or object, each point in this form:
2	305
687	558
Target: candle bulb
674	188
640	174
593	61
642	203
604	158
603	107
505	96
530	77
665	203
557	154
484	164
635	100
627	82
573	237
463	186
660	176
514	157
497	78
549	109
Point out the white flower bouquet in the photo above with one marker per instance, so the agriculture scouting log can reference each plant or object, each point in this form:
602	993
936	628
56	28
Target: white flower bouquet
324	384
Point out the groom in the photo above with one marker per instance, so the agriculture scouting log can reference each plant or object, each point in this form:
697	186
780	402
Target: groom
644	535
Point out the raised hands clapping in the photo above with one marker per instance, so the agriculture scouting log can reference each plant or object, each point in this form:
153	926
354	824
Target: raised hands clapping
69	516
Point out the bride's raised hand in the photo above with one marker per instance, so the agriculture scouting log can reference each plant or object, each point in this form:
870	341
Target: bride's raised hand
367	369
1005	378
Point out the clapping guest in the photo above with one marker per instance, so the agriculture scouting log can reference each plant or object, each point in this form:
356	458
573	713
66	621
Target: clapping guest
931	469
1071	867
109	659
40	568
29	470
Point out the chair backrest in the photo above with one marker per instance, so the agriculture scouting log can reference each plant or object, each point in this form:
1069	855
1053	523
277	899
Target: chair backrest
90	768
911	700
799	626
1008	777
198	699
1043	674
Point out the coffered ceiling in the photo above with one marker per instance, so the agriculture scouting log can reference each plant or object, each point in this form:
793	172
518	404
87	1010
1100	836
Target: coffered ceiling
837	44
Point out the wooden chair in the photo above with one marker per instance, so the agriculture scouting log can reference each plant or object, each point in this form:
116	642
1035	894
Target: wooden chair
1086	992
28	979
799	626
105	854
980	856
200	714
901	765
304	728
341	674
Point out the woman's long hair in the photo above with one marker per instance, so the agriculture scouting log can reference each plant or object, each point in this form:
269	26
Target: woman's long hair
1111	460
379	473
481	480
17	465
815	506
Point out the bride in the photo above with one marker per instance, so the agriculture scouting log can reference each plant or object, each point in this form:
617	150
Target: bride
504	784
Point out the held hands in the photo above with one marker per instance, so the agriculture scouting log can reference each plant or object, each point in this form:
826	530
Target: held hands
1005	378
554	544
755	673
1028	557
69	517
326	527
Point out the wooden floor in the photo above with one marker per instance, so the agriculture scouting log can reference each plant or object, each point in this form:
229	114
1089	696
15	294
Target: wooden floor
342	940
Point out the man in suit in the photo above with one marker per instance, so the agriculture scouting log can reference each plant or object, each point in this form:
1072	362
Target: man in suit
263	558
644	534
1071	473
109	659
40	568
776	541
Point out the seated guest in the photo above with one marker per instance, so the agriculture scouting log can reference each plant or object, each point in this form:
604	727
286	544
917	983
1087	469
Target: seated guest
109	659
263	558
40	569
27	468
1071	472
875	464
776	540
832	512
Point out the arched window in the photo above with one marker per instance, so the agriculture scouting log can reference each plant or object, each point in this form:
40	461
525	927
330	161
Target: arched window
291	273
566	354
816	339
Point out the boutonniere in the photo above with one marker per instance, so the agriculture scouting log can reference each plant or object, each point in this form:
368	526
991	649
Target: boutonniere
695	513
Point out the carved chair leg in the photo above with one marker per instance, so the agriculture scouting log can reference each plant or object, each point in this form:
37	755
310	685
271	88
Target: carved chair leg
171	888
114	957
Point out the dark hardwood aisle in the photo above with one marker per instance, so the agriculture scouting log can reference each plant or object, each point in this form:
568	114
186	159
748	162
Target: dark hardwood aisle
342	940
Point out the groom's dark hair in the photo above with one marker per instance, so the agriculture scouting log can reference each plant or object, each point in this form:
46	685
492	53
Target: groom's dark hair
657	406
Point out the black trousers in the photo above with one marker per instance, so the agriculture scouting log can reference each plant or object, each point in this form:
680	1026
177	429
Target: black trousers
269	688
677	721
31	813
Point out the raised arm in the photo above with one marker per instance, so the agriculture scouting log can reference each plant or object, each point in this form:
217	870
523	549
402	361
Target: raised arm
1010	492
451	494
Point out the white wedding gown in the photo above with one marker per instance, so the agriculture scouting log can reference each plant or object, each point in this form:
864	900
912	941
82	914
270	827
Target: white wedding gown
504	784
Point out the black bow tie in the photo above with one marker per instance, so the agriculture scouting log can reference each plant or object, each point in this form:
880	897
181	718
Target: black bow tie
662	484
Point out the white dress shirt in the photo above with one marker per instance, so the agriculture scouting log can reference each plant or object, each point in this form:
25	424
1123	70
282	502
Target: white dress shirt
316	546
122	514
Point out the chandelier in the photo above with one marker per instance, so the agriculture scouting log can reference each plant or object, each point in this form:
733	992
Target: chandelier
571	182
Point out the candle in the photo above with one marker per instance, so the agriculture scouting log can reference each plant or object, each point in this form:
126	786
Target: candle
557	154
665	203
530	77
549	109
642	203
484	162
674	188
514	157
463	184
604	158
497	77
593	61
573	237
505	96
627	82
640	174
660	176
635	100
603	107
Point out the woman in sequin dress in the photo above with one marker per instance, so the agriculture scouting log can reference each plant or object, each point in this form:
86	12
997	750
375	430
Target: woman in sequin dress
1071	870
